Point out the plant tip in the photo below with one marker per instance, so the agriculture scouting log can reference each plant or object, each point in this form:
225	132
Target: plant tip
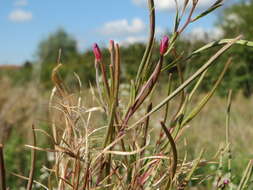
111	45
164	45
111	42
97	52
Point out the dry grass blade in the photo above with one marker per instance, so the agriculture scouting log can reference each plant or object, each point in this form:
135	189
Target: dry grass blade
66	182
229	151
50	113
41	149
154	157
246	176
194	167
46	134
108	148
129	153
57	81
26	178
31	175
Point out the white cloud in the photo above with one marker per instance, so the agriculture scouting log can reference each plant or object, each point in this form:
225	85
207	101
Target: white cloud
123	27
200	33
21	3
169	5
140	38
133	39
20	15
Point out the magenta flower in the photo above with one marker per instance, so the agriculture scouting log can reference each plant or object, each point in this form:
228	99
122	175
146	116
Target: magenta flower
226	181
97	52
164	45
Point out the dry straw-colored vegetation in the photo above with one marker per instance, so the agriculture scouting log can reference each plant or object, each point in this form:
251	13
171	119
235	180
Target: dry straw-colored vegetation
131	136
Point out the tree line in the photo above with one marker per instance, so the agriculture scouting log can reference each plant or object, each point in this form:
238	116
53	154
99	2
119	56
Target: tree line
233	20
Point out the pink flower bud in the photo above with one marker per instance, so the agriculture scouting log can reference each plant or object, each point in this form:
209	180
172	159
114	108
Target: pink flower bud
97	52
164	45
225	181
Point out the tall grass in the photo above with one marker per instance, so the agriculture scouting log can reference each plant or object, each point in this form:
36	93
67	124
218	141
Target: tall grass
133	139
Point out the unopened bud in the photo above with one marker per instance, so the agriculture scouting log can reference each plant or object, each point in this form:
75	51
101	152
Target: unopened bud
226	181
97	52
164	45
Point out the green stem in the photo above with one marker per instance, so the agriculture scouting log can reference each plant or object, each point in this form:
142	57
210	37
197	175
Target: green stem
149	44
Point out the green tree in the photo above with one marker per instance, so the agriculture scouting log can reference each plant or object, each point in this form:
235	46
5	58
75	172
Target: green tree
238	19
48	52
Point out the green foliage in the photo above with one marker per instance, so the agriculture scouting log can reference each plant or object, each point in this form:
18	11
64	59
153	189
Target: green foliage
238	19
48	53
19	75
132	54
17	159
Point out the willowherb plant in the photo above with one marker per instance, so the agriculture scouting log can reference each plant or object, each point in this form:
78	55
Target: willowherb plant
106	146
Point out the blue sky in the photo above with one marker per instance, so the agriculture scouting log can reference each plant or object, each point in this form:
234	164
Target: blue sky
24	23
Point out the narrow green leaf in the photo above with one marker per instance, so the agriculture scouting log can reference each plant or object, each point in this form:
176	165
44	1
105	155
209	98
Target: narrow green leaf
194	167
203	102
211	9
220	42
